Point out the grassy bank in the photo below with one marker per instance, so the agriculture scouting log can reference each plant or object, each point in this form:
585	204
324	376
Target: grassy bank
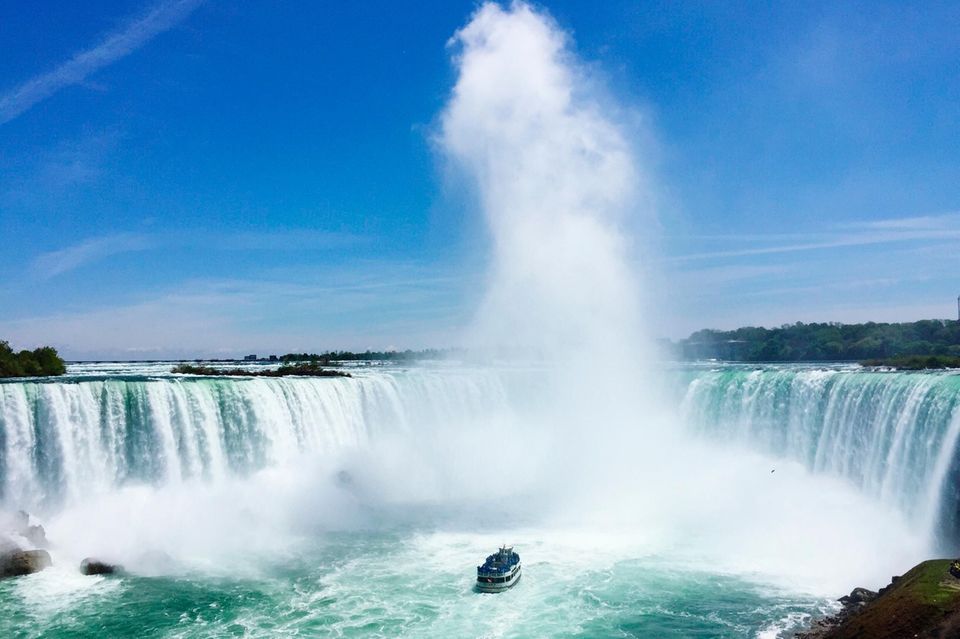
923	603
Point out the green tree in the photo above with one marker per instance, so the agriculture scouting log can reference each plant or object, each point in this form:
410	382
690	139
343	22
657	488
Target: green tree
41	362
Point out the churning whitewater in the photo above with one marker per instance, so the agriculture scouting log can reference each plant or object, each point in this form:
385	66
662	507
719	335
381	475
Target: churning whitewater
640	495
893	435
226	489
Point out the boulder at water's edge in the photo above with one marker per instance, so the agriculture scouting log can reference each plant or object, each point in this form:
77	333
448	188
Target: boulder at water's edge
16	563
91	566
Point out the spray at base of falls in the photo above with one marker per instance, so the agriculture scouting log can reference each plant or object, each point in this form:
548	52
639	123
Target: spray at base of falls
204	470
417	470
558	183
893	435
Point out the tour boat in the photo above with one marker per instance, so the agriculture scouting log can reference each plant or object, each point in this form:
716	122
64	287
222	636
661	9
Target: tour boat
500	571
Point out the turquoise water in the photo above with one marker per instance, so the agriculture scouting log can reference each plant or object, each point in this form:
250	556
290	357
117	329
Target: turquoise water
403	585
359	507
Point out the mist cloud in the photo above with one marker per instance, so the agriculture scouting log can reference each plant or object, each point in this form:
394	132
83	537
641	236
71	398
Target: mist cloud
555	176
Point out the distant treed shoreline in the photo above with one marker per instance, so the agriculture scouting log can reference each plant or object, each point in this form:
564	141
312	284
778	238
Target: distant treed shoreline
310	369
366	356
823	342
41	362
908	345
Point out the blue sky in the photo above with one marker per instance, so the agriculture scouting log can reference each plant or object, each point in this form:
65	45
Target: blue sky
200	177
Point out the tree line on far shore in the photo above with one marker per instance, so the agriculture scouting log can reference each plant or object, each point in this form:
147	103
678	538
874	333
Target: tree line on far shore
40	362
367	356
936	341
824	342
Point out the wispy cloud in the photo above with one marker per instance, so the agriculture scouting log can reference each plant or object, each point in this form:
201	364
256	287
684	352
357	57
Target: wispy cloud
716	276
923	222
114	46
54	263
368	305
839	242
866	233
846	285
285	239
53	176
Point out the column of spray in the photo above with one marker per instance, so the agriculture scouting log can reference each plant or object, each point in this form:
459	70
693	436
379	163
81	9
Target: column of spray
557	180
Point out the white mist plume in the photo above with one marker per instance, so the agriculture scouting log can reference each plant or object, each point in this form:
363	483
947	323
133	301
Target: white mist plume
558	181
563	447
555	176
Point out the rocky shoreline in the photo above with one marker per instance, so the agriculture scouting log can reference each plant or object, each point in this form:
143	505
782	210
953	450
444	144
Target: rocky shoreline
852	604
923	603
308	369
24	549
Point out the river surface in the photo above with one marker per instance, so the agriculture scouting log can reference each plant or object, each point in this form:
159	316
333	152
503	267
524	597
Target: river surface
360	507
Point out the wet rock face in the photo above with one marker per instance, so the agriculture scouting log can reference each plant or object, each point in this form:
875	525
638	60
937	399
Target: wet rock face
91	566
924	603
858	596
18	525
37	536
852	603
23	562
7	544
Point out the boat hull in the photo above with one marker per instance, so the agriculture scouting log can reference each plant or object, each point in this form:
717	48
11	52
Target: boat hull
487	584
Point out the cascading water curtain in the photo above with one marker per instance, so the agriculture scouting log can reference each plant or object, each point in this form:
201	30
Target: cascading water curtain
60	441
892	434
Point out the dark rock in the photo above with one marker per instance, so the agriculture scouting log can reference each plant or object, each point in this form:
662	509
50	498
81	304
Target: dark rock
923	603
90	566
23	562
19	524
7	544
37	536
852	603
858	596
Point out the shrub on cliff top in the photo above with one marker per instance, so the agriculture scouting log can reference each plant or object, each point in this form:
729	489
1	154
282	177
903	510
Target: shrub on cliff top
41	362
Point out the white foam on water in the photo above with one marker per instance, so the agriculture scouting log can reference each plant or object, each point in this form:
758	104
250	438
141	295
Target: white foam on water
62	587
558	183
578	460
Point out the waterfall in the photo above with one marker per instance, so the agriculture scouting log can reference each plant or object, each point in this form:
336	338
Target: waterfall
894	435
64	440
